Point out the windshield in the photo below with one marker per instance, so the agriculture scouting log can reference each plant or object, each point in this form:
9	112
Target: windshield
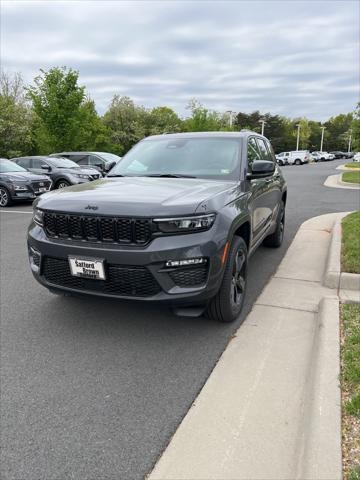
7	166
62	162
213	158
111	157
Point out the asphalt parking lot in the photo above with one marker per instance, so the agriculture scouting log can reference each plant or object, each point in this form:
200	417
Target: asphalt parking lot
95	388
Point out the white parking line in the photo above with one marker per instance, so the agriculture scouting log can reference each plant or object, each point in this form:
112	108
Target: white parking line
16	211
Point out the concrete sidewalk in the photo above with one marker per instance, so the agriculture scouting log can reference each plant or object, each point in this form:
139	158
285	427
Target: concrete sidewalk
271	407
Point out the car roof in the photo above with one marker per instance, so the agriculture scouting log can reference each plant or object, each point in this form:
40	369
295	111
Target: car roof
80	153
240	134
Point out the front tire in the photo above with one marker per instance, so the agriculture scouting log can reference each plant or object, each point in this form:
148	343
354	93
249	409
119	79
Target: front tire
227	303
5	199
275	239
62	184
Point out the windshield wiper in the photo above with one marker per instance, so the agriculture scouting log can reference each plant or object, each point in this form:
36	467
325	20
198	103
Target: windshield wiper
169	175
117	175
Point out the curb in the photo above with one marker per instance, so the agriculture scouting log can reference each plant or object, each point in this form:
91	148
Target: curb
333	277
271	408
320	452
345	184
334	181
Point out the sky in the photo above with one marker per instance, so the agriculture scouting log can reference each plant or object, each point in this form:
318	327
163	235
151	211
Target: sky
293	58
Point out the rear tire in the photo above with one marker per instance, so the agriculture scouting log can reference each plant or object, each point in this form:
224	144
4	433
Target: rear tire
275	239
227	303
5	199
298	161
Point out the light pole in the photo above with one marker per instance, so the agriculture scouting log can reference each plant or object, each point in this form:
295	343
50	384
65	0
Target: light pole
262	126
298	136
322	138
230	117
349	146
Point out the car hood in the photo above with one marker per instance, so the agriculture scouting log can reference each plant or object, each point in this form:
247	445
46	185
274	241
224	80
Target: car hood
24	177
86	170
138	196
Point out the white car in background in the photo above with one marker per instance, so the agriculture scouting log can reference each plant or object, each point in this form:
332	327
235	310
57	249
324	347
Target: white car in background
356	157
295	157
322	156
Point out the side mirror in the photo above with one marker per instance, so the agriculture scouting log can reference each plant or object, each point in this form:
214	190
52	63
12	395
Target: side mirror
110	165
46	167
261	168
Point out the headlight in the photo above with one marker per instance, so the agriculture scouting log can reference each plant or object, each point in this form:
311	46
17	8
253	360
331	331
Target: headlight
20	187
38	217
187	224
81	175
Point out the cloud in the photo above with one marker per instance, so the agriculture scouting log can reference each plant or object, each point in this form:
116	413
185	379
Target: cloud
295	58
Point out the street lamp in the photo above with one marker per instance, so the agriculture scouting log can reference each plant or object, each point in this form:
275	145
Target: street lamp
230	117
349	146
322	138
298	136
262	126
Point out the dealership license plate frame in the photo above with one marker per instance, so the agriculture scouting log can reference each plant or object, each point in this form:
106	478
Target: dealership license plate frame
95	272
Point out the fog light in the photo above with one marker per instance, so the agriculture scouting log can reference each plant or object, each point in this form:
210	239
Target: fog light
35	256
188	261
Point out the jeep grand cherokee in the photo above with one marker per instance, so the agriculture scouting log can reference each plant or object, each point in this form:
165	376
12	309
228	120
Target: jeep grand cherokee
175	222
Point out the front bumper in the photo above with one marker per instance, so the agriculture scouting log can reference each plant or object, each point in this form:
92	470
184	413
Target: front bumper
174	285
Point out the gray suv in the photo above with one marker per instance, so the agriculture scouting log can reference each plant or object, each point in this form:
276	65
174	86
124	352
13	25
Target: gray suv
62	171
174	222
102	161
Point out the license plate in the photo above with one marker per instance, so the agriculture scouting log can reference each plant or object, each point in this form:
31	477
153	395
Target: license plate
42	189
87	268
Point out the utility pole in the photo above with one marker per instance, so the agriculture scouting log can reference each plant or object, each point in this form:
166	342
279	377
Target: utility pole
262	126
322	138
349	146
230	117
298	136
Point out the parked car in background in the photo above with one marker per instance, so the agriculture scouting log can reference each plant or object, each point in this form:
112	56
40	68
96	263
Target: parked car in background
17	184
62	171
322	156
337	154
295	157
174	222
102	161
349	155
356	157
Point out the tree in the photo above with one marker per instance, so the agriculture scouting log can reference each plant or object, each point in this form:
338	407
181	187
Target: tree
15	117
202	119
162	120
337	132
59	104
126	123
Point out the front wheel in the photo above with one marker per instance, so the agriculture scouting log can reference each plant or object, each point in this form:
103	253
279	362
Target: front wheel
62	184
228	302
281	163
275	239
5	199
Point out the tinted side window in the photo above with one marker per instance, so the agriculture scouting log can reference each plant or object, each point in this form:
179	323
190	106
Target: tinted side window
265	155
37	162
24	162
271	151
253	153
96	160
80	159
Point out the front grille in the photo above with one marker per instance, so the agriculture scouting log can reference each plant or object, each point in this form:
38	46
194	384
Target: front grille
98	229
42	184
129	281
189	276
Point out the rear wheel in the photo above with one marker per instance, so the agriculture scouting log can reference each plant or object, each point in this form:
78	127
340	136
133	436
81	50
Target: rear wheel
298	161
62	184
275	239
228	302
5	199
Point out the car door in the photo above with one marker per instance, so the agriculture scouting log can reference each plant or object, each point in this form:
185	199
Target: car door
261	211
36	166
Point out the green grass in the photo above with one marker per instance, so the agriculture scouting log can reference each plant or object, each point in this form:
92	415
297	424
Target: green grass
350	357
351	177
354	474
352	165
350	252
